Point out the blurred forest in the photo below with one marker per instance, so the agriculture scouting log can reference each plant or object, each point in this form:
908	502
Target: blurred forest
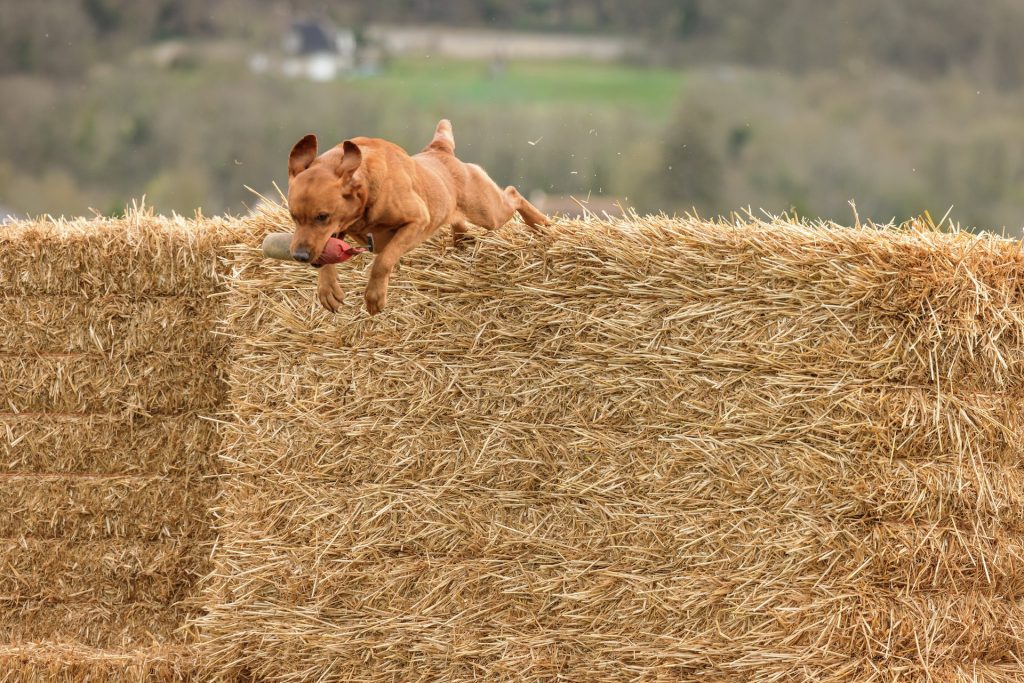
784	105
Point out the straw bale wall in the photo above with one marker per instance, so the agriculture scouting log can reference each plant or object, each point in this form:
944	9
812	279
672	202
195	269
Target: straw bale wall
107	369
644	449
640	449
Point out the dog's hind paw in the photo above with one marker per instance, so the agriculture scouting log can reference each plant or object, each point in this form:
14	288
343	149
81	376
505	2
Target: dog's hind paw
463	241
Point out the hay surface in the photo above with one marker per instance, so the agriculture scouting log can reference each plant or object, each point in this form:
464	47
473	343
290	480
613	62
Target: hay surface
181	445
114	326
108	366
139	255
113	571
64	663
641	449
93	624
160	384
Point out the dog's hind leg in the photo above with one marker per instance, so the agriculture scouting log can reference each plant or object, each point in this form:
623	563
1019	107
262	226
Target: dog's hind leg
530	213
485	204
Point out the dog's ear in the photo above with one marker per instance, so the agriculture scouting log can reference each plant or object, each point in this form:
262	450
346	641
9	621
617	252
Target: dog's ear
302	155
350	162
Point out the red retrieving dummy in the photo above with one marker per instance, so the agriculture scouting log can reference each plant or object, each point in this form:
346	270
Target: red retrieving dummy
276	245
337	251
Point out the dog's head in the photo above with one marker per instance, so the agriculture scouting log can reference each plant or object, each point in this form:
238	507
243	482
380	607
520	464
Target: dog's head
324	196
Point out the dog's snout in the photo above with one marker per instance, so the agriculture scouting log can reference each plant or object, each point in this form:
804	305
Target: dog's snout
301	255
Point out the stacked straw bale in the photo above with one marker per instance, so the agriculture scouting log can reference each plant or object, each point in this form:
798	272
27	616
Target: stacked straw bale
107	367
640	449
637	449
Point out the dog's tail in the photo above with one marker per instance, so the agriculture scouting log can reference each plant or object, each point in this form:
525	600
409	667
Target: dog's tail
443	140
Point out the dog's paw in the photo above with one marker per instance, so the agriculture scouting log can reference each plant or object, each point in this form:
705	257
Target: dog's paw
331	295
376	298
463	241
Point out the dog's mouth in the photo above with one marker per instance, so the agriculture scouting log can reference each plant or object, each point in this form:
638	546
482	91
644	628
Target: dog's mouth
315	255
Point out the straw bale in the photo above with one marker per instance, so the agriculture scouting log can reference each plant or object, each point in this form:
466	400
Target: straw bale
138	255
787	665
931	557
90	507
894	553
110	374
66	663
77	383
182	445
111	571
92	623
642	448
116	326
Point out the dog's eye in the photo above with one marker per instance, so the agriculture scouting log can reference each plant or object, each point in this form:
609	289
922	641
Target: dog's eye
322	217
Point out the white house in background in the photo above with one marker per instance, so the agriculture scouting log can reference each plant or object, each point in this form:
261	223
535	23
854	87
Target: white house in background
318	52
313	50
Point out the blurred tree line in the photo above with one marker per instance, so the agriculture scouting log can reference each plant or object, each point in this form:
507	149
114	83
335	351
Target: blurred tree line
789	104
925	38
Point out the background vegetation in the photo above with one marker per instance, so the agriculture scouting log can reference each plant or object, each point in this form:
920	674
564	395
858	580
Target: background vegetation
792	104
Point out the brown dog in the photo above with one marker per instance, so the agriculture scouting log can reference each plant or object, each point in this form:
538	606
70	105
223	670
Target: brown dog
369	186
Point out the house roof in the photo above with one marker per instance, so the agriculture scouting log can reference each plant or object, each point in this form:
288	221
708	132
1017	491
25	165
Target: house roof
313	38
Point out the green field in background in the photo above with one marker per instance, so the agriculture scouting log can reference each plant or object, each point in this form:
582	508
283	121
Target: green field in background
431	81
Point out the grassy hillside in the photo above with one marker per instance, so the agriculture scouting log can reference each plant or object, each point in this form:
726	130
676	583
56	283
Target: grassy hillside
437	82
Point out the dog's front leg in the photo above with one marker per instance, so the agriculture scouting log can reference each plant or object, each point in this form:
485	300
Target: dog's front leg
328	290
405	239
